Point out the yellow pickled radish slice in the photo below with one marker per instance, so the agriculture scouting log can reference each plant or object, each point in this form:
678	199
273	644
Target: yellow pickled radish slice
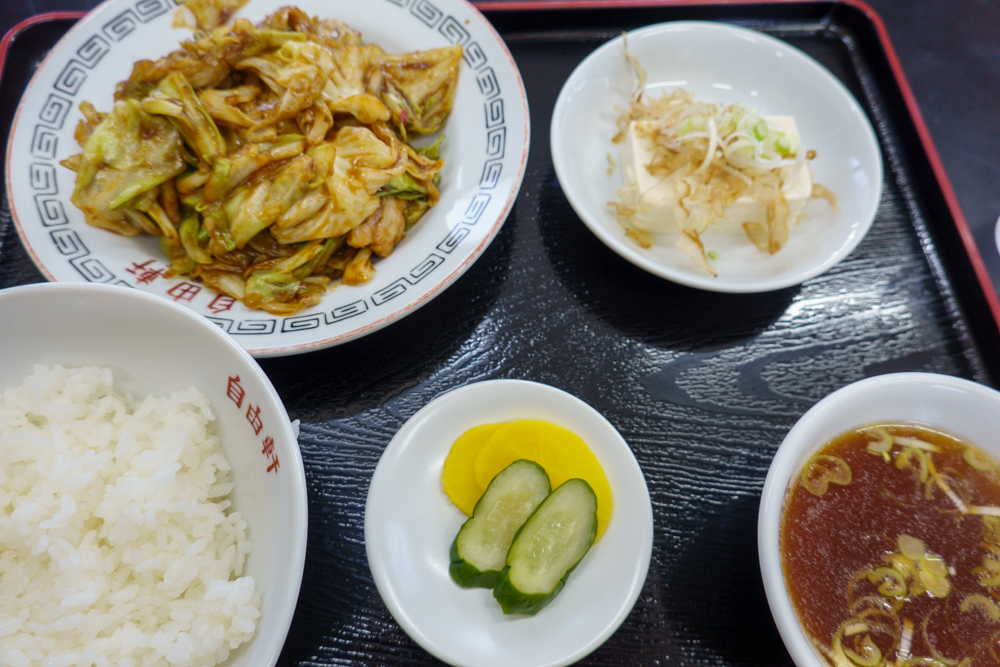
512	441
459	474
562	453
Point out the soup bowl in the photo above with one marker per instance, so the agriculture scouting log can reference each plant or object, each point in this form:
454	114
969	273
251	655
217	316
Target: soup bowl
964	409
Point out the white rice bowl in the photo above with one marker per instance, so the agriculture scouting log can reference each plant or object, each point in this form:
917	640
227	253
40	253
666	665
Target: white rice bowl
132	487
115	524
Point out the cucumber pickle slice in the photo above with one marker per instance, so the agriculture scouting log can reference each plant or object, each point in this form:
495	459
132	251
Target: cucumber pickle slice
547	547
479	551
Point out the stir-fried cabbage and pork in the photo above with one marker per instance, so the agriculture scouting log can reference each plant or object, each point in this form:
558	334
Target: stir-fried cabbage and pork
269	160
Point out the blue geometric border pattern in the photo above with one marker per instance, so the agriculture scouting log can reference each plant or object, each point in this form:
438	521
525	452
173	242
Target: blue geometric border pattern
44	144
62	97
52	117
489	87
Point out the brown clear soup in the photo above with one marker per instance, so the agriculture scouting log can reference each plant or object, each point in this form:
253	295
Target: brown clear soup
890	547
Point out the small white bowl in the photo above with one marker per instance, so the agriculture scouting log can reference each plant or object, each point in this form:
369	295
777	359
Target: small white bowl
154	347
962	408
410	524
725	64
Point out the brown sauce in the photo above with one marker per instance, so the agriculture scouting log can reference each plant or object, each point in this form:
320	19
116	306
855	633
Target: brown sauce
867	598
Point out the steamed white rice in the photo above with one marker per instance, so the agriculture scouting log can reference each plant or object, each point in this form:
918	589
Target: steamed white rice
116	548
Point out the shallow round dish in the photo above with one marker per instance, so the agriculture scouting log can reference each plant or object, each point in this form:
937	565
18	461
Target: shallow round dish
155	347
725	64
410	524
485	153
962	408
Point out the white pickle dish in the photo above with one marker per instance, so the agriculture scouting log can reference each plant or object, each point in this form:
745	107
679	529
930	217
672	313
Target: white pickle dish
410	523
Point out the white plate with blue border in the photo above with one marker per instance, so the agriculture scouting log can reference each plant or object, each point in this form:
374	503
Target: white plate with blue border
485	153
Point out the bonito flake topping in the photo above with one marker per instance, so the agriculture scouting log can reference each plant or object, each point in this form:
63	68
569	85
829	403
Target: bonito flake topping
691	167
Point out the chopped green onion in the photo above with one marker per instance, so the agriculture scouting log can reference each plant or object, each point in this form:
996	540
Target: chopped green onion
784	144
823	469
906	458
869	655
978	459
760	129
892	583
982	602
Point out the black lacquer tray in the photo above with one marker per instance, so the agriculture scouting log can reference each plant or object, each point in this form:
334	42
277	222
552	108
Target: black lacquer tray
703	386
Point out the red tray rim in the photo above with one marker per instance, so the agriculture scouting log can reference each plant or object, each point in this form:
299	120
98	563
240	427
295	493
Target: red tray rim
913	108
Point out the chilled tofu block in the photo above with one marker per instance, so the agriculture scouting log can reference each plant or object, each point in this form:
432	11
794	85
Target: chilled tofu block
655	199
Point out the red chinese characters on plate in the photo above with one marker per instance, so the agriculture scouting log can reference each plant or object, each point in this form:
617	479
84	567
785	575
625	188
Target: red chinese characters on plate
236	393
146	272
184	291
221	303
